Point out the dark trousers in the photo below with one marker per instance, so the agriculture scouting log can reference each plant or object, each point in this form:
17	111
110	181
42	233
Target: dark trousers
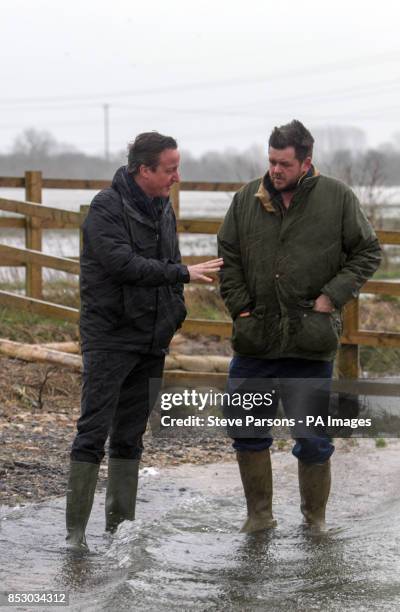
115	402
304	388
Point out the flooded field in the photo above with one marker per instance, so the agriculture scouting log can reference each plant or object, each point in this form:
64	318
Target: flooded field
184	550
65	243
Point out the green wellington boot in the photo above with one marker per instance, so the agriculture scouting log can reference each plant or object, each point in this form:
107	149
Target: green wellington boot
80	493
256	474
121	491
314	484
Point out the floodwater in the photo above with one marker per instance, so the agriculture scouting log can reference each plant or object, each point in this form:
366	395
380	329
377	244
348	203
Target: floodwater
184	550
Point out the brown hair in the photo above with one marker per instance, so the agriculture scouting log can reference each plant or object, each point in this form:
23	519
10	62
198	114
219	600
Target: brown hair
145	150
295	135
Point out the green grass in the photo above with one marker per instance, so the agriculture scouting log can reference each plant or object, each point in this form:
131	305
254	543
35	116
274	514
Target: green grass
391	273
26	327
203	303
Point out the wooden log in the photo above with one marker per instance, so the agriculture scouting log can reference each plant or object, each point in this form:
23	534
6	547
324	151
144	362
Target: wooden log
175	378
171	363
198	363
203	363
177	340
220	363
44	354
33	235
64	347
29	352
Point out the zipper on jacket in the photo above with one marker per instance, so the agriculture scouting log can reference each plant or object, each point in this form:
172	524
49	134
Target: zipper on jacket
158	256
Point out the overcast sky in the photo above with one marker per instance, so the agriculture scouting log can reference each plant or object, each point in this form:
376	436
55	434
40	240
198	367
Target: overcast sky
212	73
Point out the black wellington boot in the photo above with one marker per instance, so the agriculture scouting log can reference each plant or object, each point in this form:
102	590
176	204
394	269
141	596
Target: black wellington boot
121	491
314	484
80	493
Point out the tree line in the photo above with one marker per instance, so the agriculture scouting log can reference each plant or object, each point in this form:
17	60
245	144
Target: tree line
36	150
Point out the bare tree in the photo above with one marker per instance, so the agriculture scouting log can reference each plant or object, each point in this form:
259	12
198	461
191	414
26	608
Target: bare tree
34	143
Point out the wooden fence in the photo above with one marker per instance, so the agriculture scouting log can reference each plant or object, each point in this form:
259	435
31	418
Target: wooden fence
37	217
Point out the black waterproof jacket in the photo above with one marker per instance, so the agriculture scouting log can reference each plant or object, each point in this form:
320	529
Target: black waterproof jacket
131	276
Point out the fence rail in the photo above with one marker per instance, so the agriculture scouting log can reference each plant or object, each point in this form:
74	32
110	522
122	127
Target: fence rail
37	217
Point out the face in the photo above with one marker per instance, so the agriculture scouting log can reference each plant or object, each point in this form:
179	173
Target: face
285	169
158	182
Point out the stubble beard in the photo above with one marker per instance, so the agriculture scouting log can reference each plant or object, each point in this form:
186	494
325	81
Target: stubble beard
287	188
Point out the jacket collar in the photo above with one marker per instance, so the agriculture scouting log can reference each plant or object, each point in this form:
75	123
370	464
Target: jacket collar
134	197
267	193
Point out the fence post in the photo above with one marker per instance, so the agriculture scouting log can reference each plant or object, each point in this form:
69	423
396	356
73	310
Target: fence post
349	354
174	196
33	235
83	211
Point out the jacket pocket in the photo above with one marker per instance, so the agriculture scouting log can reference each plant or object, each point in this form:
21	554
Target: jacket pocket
140	306
248	333
318	332
170	316
177	308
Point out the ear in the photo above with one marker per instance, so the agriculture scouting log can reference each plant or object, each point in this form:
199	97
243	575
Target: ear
306	165
144	171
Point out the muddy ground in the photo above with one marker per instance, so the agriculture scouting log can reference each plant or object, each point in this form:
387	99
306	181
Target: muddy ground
39	406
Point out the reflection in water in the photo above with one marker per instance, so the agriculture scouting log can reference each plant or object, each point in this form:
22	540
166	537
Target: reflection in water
185	552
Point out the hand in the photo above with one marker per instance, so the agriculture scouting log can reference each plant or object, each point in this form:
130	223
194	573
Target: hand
323	304
247	313
199	271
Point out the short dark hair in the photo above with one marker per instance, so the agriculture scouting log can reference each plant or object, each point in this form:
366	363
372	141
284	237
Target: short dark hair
146	148
295	135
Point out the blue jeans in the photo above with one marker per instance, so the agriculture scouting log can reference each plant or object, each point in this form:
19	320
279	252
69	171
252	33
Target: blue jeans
306	397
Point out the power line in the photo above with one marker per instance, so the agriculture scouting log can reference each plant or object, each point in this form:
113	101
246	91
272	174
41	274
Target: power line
370	90
294	73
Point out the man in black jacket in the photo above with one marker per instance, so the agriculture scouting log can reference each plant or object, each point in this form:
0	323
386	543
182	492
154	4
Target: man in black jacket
131	305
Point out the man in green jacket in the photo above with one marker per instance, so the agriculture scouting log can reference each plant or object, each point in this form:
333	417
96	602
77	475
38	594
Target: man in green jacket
296	248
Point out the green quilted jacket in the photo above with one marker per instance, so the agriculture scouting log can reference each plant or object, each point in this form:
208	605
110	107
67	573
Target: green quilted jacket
277	261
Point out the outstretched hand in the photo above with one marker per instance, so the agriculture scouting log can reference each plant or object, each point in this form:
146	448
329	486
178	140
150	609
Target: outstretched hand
199	271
